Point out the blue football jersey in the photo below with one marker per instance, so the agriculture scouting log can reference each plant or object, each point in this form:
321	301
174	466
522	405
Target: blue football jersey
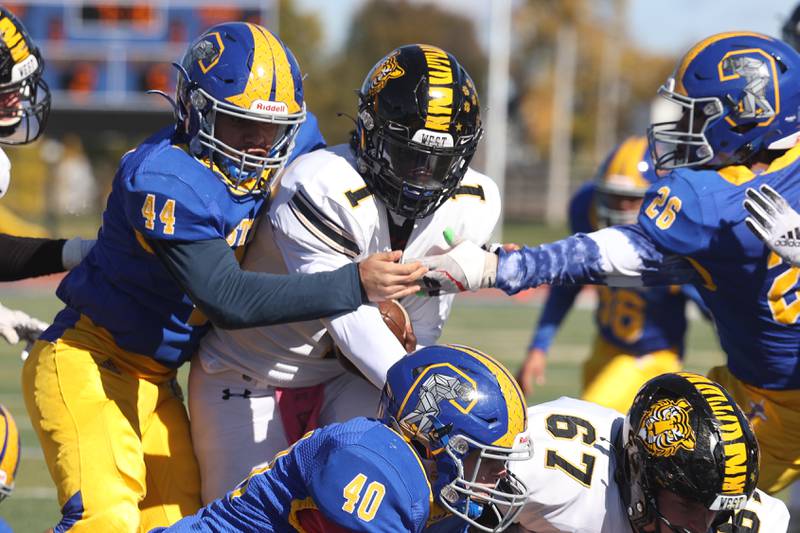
159	192
752	294
355	476
639	320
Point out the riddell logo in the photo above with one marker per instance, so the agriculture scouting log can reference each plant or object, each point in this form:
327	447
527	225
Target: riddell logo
265	106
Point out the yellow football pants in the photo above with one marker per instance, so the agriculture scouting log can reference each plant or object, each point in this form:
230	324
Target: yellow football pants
775	416
117	444
612	378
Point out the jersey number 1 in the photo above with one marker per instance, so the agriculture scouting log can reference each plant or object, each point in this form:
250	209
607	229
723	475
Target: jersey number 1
370	501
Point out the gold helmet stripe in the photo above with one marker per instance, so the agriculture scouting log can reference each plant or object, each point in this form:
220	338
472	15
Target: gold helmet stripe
270	63
735	447
516	407
440	88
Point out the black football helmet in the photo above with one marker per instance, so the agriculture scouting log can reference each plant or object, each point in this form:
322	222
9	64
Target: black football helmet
24	95
791	29
684	433
417	129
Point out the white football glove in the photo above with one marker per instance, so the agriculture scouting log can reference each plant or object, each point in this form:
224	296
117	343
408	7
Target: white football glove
465	267
17	326
774	221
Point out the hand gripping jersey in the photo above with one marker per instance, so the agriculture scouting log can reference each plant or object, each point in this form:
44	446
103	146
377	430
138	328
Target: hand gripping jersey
691	229
571	476
159	192
355	476
637	320
322	218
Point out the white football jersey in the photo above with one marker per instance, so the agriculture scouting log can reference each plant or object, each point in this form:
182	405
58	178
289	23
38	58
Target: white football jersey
324	217
571	483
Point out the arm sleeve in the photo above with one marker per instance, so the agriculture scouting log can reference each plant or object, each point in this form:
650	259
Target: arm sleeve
559	301
233	298
622	256
365	340
28	257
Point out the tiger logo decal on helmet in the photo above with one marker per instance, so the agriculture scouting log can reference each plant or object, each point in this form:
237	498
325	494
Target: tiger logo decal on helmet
666	428
382	73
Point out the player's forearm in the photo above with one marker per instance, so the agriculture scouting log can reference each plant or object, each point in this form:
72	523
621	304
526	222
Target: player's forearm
620	256
28	257
574	260
365	340
233	298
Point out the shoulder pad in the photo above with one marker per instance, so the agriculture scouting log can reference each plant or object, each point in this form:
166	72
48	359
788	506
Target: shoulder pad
676	216
474	209
322	195
163	204
374	482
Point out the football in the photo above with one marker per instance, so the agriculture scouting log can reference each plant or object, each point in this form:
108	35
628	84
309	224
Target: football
396	319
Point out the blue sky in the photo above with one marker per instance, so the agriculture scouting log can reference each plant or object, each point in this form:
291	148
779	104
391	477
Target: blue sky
665	26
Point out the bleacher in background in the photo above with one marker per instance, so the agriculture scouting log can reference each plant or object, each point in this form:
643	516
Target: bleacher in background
104	55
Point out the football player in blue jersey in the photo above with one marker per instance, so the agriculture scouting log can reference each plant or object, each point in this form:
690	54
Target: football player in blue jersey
437	460
739	93
640	330
100	383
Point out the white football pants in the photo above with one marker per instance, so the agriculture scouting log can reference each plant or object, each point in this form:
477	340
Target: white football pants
233	435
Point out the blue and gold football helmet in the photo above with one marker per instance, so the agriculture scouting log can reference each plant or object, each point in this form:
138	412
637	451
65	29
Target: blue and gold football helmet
622	181
9	452
245	72
464	411
739	93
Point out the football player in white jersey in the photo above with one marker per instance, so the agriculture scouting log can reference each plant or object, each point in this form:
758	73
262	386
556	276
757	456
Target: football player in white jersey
24	107
399	185
683	460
